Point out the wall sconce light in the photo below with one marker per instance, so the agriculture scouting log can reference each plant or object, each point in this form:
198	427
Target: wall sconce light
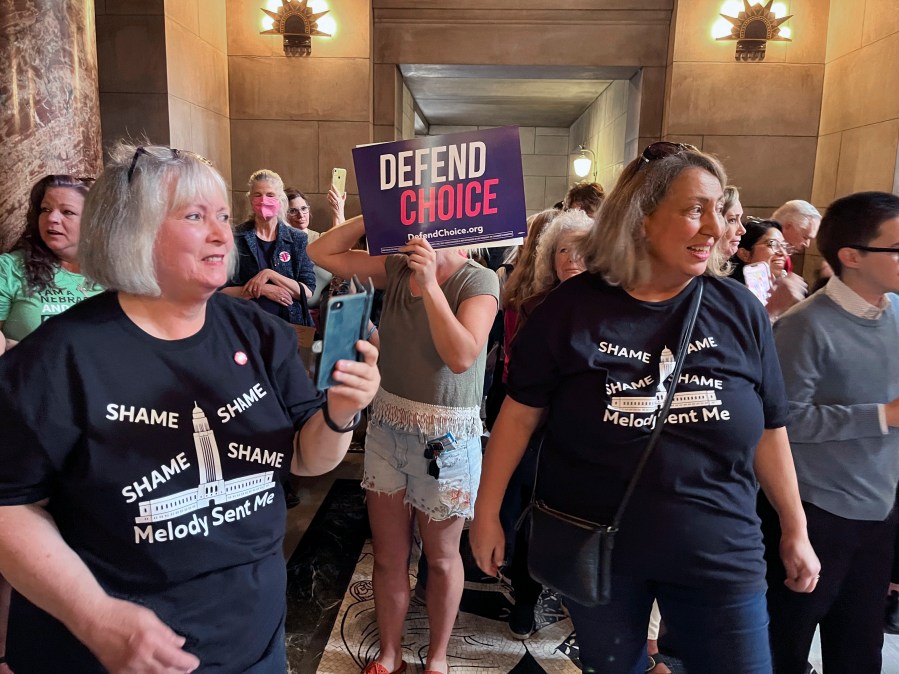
753	28
298	24
583	163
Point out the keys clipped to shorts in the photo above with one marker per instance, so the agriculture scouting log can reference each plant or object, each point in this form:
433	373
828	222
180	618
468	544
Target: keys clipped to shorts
434	449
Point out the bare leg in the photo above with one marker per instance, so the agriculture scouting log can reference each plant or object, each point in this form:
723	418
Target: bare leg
446	577
391	527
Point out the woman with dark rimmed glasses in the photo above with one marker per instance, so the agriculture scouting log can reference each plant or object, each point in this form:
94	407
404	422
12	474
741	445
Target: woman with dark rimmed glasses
42	277
763	241
299	212
146	434
596	357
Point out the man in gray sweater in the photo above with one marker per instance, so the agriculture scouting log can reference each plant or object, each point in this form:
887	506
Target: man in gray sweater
838	351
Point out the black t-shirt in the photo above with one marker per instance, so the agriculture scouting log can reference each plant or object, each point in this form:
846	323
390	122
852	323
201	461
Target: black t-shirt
594	356
264	257
162	462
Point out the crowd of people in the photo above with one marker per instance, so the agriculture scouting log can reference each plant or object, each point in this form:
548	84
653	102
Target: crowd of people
152	424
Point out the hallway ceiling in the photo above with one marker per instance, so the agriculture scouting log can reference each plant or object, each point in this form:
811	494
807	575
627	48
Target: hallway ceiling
468	95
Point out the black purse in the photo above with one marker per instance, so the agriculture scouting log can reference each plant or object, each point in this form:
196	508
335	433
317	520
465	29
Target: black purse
573	556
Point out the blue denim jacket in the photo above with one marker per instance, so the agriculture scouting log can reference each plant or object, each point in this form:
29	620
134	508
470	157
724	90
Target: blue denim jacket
289	260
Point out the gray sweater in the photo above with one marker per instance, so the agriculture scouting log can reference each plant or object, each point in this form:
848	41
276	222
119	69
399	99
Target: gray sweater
838	368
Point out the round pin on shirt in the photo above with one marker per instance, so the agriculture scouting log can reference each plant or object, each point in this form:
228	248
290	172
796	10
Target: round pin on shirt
240	358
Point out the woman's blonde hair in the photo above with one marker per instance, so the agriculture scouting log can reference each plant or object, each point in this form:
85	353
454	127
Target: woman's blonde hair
269	176
126	206
616	248
731	196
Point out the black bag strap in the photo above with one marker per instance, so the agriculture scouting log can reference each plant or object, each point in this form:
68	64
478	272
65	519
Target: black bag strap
666	406
304	306
660	416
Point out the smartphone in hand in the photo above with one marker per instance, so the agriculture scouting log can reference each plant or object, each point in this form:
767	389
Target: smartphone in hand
338	180
758	279
346	322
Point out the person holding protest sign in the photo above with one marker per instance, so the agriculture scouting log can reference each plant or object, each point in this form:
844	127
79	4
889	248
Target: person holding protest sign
423	447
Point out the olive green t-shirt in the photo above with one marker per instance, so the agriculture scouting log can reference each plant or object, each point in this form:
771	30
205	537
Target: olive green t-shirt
411	367
22	312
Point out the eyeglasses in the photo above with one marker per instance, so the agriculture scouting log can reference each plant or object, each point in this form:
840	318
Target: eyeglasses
176	154
664	148
297	211
875	249
774	246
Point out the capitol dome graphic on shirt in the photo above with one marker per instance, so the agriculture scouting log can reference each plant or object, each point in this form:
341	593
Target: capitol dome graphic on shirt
212	489
650	404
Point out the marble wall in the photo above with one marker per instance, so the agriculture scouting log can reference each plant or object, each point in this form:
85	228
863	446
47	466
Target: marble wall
49	122
859	130
164	75
544	162
609	127
522	32
196	46
408	128
131	50
633	33
299	116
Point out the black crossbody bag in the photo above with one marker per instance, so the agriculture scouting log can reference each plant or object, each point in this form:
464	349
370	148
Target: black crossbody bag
573	556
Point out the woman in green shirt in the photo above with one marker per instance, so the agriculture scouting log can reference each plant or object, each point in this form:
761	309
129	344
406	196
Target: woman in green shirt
41	276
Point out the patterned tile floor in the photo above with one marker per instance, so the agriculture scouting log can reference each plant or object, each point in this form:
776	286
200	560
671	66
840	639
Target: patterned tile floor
479	645
480	642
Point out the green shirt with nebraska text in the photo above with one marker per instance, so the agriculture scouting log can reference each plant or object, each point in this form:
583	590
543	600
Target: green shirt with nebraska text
21	310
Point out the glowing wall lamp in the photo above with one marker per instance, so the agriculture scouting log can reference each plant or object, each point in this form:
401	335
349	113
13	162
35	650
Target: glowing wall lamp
583	163
752	28
298	23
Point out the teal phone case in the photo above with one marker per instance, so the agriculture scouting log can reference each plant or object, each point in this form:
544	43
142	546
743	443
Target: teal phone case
346	323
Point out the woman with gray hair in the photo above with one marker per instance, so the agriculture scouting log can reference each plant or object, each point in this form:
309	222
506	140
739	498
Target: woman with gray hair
597	356
555	259
273	269
558	257
145	434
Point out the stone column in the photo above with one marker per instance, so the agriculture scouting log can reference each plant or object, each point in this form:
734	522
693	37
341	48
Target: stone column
49	106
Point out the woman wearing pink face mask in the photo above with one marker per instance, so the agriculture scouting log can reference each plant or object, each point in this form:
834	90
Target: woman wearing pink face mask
273	269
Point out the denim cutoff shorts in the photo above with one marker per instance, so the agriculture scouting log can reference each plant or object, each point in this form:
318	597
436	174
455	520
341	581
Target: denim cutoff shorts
395	460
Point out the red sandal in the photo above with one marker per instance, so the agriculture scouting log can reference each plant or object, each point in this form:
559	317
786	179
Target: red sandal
378	668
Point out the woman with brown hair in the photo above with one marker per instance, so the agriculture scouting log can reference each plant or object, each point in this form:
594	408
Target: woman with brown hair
555	259
41	277
597	358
